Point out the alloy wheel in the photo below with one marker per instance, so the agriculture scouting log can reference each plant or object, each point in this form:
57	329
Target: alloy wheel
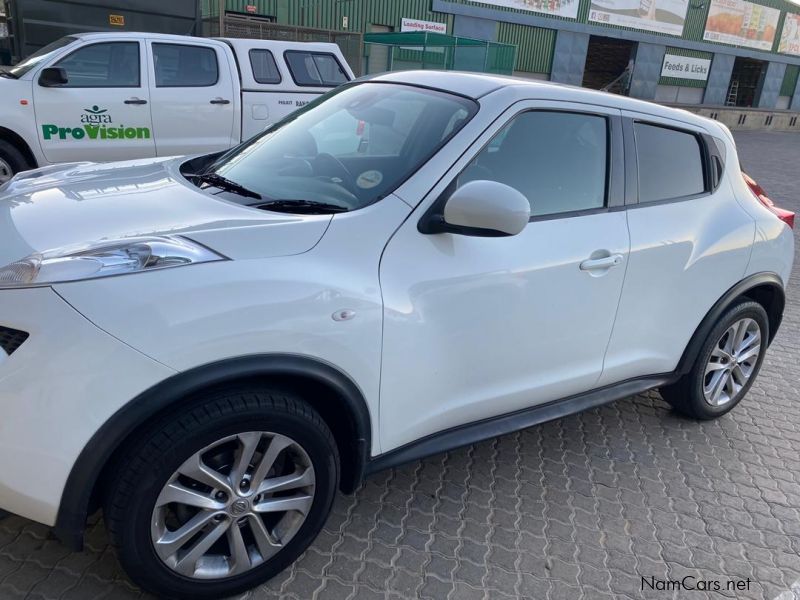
233	505
732	362
6	172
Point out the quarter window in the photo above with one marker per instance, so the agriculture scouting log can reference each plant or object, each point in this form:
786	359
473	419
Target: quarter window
264	68
557	160
670	163
179	65
107	65
315	69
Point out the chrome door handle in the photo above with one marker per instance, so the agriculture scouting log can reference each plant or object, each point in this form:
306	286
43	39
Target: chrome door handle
135	101
219	101
596	264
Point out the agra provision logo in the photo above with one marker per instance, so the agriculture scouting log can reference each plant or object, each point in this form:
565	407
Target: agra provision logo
95	115
96	124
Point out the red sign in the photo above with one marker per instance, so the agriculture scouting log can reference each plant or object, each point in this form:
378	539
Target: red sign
251	8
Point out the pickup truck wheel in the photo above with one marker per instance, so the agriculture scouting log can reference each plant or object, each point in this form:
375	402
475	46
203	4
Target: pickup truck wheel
220	497
12	161
726	366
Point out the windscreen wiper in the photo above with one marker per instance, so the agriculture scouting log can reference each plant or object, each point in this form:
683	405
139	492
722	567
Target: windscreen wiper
8	74
225	184
302	206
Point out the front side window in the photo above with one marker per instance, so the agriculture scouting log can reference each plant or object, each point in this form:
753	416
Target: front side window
315	69
670	163
557	160
180	65
264	68
346	150
106	65
41	55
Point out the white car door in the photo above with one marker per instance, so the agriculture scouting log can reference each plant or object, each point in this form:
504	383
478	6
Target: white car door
193	97
690	241
477	327
102	112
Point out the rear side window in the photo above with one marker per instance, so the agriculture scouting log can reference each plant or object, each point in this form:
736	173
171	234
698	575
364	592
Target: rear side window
670	163
317	69
557	160
264	68
179	65
107	65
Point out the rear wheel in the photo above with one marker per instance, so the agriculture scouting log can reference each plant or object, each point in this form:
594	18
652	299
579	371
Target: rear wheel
12	161
219	498
726	365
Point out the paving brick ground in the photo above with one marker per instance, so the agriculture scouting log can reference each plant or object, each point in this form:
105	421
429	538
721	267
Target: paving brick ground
578	508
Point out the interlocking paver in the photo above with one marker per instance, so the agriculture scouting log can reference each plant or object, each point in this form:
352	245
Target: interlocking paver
582	507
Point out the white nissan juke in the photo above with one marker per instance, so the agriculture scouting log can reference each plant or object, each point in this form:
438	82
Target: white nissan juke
208	348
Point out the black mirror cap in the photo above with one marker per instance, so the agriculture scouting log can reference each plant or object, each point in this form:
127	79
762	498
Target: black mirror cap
434	223
53	77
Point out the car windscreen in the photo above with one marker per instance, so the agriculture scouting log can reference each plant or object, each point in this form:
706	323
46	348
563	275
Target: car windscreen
40	55
346	150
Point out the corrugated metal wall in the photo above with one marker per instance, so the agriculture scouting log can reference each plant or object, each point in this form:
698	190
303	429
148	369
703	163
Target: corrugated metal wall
534	46
328	14
790	80
685	82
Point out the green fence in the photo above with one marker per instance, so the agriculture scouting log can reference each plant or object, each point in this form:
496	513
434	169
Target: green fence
423	50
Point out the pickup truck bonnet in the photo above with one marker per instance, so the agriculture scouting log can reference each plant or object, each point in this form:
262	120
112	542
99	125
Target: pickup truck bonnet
72	204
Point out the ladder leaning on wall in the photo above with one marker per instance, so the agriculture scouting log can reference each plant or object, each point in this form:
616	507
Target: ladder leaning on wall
733	93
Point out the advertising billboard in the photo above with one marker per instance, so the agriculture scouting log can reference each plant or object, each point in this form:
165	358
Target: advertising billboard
790	35
559	8
741	23
662	16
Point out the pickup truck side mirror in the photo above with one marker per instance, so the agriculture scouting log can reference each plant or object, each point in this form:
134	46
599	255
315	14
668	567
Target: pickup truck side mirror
53	77
481	208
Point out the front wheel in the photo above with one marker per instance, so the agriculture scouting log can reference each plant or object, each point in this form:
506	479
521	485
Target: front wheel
726	365
12	161
218	498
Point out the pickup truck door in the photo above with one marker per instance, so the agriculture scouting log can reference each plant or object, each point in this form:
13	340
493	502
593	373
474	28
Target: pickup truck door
102	112
194	97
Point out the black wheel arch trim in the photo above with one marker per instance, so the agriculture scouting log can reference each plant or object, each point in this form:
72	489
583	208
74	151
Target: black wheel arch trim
77	495
747	284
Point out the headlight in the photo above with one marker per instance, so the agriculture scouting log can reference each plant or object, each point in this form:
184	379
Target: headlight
103	259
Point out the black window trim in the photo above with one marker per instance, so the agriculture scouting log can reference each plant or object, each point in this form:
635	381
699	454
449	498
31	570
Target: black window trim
632	164
180	45
253	69
615	169
67	86
314	53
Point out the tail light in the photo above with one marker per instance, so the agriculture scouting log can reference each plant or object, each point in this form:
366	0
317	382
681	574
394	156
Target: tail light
784	215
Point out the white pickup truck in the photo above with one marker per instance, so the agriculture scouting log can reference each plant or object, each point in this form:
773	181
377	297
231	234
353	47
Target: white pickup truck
116	96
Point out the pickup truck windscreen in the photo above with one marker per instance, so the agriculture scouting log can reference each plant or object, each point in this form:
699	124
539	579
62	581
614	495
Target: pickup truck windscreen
345	151
40	55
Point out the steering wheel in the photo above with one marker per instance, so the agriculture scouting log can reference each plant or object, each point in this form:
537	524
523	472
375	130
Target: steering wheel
328	165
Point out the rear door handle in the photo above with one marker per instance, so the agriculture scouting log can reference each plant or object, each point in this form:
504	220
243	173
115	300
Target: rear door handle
220	101
597	264
135	101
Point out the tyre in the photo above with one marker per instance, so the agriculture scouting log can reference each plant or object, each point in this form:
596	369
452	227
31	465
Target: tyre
12	161
726	366
223	495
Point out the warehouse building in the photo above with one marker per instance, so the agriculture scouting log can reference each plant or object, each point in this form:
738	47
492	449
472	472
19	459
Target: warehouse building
694	52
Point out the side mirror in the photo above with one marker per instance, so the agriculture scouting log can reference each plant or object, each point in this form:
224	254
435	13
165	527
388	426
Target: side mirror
482	208
53	77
